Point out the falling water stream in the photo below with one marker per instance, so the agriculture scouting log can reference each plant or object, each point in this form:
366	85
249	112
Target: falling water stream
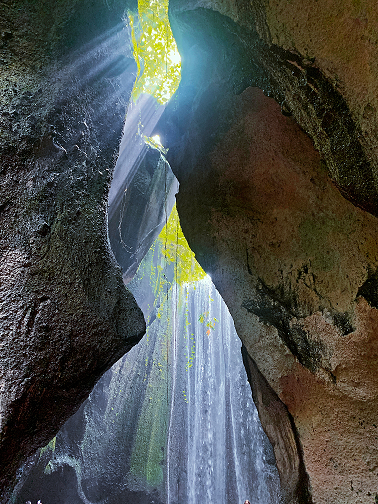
213	420
173	421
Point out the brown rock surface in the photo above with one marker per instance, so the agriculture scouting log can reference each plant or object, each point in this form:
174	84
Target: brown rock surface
293	258
280	428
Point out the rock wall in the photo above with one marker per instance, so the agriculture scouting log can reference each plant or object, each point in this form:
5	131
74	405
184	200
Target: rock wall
278	201
65	314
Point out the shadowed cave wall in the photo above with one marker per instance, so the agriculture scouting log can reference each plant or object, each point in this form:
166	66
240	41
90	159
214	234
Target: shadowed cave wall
273	138
278	201
66	316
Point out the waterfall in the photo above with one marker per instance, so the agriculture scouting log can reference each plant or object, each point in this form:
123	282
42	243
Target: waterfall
172	422
213	420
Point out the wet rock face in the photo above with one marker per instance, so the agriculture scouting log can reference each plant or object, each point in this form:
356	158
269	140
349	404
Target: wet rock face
65	315
137	219
280	428
288	233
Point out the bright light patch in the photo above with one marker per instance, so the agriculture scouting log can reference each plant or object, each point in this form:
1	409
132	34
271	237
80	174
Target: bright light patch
155	143
155	51
175	248
175	57
156	139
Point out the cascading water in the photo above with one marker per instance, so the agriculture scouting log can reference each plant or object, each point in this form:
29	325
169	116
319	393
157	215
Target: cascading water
213	420
172	422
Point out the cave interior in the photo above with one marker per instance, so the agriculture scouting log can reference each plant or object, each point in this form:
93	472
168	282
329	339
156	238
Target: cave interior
188	274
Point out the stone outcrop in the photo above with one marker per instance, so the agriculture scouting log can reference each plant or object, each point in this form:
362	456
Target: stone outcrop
282	433
65	314
273	144
136	221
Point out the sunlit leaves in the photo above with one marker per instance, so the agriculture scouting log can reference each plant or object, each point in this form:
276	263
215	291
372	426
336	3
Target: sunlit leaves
210	322
175	248
155	143
155	51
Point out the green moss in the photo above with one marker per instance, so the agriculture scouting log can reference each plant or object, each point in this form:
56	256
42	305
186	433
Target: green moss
50	446
150	440
149	451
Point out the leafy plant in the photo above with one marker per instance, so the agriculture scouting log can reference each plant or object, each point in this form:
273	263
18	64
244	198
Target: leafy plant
155	51
175	248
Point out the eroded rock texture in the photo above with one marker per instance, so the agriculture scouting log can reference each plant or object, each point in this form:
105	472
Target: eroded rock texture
65	316
273	143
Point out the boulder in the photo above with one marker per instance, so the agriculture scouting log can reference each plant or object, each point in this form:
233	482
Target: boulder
65	315
278	201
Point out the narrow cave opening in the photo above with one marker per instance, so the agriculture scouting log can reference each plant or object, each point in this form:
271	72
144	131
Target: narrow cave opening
173	421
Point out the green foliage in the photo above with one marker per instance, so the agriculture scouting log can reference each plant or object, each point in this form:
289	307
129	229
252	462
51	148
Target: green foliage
191	356
155	143
50	446
210	322
175	248
155	51
146	463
